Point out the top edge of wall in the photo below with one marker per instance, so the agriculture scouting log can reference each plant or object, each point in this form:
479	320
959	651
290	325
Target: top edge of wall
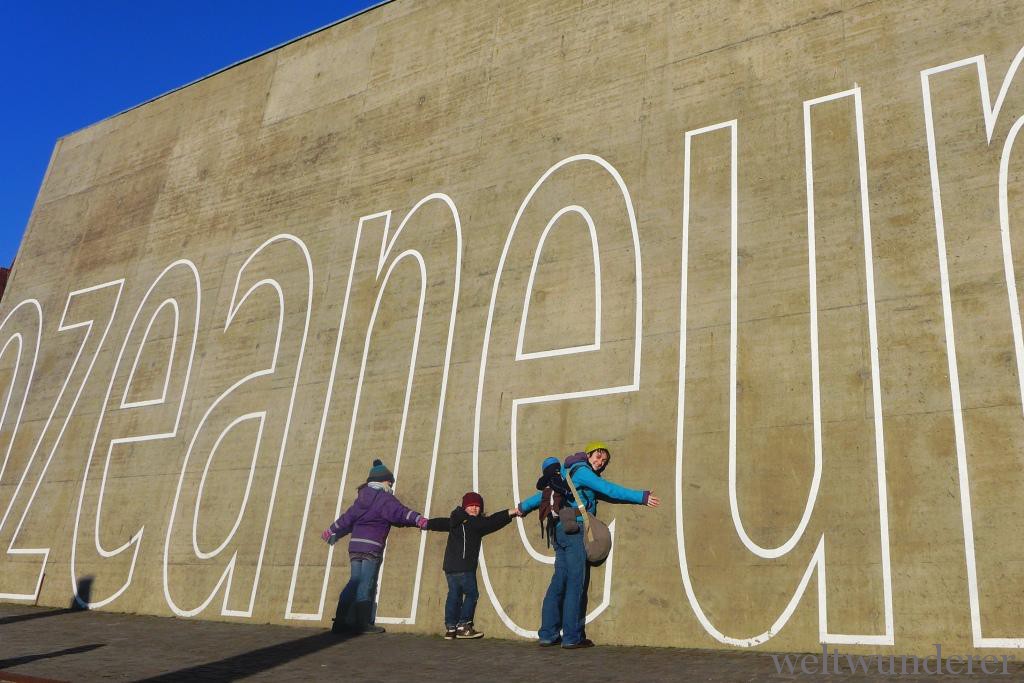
286	43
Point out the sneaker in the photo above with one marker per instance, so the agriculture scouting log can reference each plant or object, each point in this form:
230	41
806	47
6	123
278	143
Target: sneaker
449	633
466	631
549	643
586	642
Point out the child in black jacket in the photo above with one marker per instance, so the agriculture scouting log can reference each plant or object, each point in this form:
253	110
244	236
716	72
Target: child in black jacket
465	527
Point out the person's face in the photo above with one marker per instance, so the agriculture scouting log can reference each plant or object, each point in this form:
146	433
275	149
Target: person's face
598	459
472	510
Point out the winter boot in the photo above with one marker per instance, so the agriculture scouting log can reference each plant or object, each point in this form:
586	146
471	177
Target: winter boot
364	610
343	618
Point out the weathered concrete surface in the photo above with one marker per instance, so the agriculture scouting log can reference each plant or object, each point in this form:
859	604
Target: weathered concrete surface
232	328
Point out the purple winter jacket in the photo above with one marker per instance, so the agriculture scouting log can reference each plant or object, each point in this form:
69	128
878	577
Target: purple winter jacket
370	518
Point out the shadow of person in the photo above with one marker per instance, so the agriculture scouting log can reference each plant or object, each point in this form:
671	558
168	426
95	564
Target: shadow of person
25	659
255	661
79	603
83	593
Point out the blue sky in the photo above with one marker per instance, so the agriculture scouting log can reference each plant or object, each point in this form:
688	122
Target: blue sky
68	64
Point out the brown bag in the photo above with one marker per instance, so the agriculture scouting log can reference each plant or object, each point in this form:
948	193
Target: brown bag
597	539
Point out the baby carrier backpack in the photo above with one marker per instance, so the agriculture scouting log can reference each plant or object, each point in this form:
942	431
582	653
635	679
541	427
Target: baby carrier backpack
555	505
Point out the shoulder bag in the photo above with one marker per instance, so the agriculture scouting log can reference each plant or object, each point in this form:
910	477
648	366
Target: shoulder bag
597	540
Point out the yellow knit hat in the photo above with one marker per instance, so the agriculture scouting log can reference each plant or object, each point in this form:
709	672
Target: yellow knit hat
595	446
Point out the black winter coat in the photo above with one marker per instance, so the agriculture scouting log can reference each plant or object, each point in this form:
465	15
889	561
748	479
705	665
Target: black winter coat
462	553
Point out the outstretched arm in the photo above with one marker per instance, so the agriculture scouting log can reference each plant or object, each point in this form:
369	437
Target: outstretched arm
609	490
439	524
530	504
491	523
399	515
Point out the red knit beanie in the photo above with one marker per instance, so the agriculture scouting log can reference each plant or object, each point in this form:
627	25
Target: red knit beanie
472	498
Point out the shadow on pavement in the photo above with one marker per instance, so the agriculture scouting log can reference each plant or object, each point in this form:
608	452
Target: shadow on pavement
34	615
78	602
16	661
249	663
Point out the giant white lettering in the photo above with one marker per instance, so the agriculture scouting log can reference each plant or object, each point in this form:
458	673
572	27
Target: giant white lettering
993	113
76	316
185	522
549	376
435	266
23	325
816	563
125	427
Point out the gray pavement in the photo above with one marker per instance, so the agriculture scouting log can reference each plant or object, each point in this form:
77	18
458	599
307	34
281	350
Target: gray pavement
53	644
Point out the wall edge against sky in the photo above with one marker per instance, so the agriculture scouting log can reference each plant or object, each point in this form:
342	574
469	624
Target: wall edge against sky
379	3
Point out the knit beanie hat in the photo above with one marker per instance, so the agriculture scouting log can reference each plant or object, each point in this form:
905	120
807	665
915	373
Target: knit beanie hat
472	498
380	473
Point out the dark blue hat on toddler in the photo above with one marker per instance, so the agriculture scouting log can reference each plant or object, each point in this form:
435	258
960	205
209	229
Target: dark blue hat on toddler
551	475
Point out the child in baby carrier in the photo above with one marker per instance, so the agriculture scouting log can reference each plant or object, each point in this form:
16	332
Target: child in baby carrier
555	501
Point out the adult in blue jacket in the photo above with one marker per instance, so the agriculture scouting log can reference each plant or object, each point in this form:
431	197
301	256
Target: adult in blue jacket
563	614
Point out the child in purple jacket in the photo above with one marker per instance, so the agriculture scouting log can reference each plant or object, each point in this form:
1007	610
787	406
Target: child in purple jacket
368	519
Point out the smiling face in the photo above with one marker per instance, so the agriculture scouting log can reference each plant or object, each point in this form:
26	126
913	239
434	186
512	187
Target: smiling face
472	510
598	459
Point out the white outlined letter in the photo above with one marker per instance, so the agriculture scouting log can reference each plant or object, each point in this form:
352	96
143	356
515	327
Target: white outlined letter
124	427
203	563
816	563
991	114
25	318
20	338
107	296
433	268
540	380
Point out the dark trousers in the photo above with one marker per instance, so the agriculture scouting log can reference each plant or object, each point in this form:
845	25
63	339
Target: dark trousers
460	606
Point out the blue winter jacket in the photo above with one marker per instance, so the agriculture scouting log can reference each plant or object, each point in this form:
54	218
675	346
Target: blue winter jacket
592	488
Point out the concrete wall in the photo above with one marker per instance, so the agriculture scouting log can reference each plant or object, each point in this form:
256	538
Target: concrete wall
763	249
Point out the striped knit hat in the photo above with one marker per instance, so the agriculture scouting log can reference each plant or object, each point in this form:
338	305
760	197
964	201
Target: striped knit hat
380	473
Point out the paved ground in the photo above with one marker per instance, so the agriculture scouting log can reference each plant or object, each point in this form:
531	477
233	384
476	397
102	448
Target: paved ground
39	644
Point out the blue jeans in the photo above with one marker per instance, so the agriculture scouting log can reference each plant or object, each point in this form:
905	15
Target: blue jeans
460	606
565	603
361	587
